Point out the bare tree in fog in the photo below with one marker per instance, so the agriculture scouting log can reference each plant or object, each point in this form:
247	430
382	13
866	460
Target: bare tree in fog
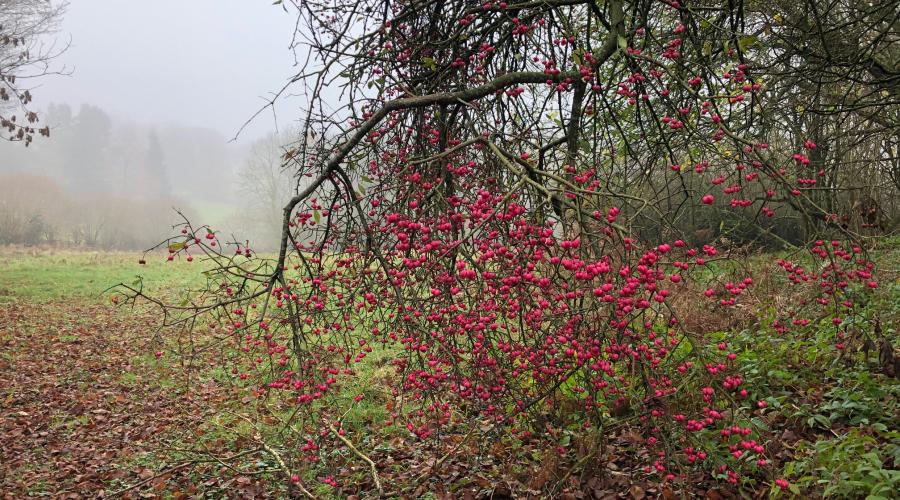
155	168
24	57
265	185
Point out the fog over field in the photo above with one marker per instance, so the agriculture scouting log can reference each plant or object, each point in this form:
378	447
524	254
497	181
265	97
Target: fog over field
151	105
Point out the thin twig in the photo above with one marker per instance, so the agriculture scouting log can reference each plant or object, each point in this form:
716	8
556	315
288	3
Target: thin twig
284	467
360	455
157	476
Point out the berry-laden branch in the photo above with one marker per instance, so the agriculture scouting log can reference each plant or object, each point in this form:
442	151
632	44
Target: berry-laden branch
536	217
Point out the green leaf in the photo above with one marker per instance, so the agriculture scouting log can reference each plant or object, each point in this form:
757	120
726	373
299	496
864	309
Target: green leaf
576	56
584	145
623	42
429	63
317	216
745	42
759	423
823	420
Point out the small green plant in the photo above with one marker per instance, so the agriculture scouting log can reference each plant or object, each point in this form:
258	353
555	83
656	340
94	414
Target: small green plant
853	465
862	404
856	400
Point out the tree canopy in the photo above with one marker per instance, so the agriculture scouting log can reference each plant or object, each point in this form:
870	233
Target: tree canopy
25	56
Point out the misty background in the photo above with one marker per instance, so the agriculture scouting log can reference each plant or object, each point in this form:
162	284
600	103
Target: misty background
146	119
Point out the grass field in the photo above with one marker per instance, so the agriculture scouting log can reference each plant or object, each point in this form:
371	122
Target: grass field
87	406
43	276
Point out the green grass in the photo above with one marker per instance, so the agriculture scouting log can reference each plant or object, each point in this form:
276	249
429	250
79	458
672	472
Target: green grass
52	275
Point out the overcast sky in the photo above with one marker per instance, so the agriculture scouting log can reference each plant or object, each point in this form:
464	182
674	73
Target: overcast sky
206	63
